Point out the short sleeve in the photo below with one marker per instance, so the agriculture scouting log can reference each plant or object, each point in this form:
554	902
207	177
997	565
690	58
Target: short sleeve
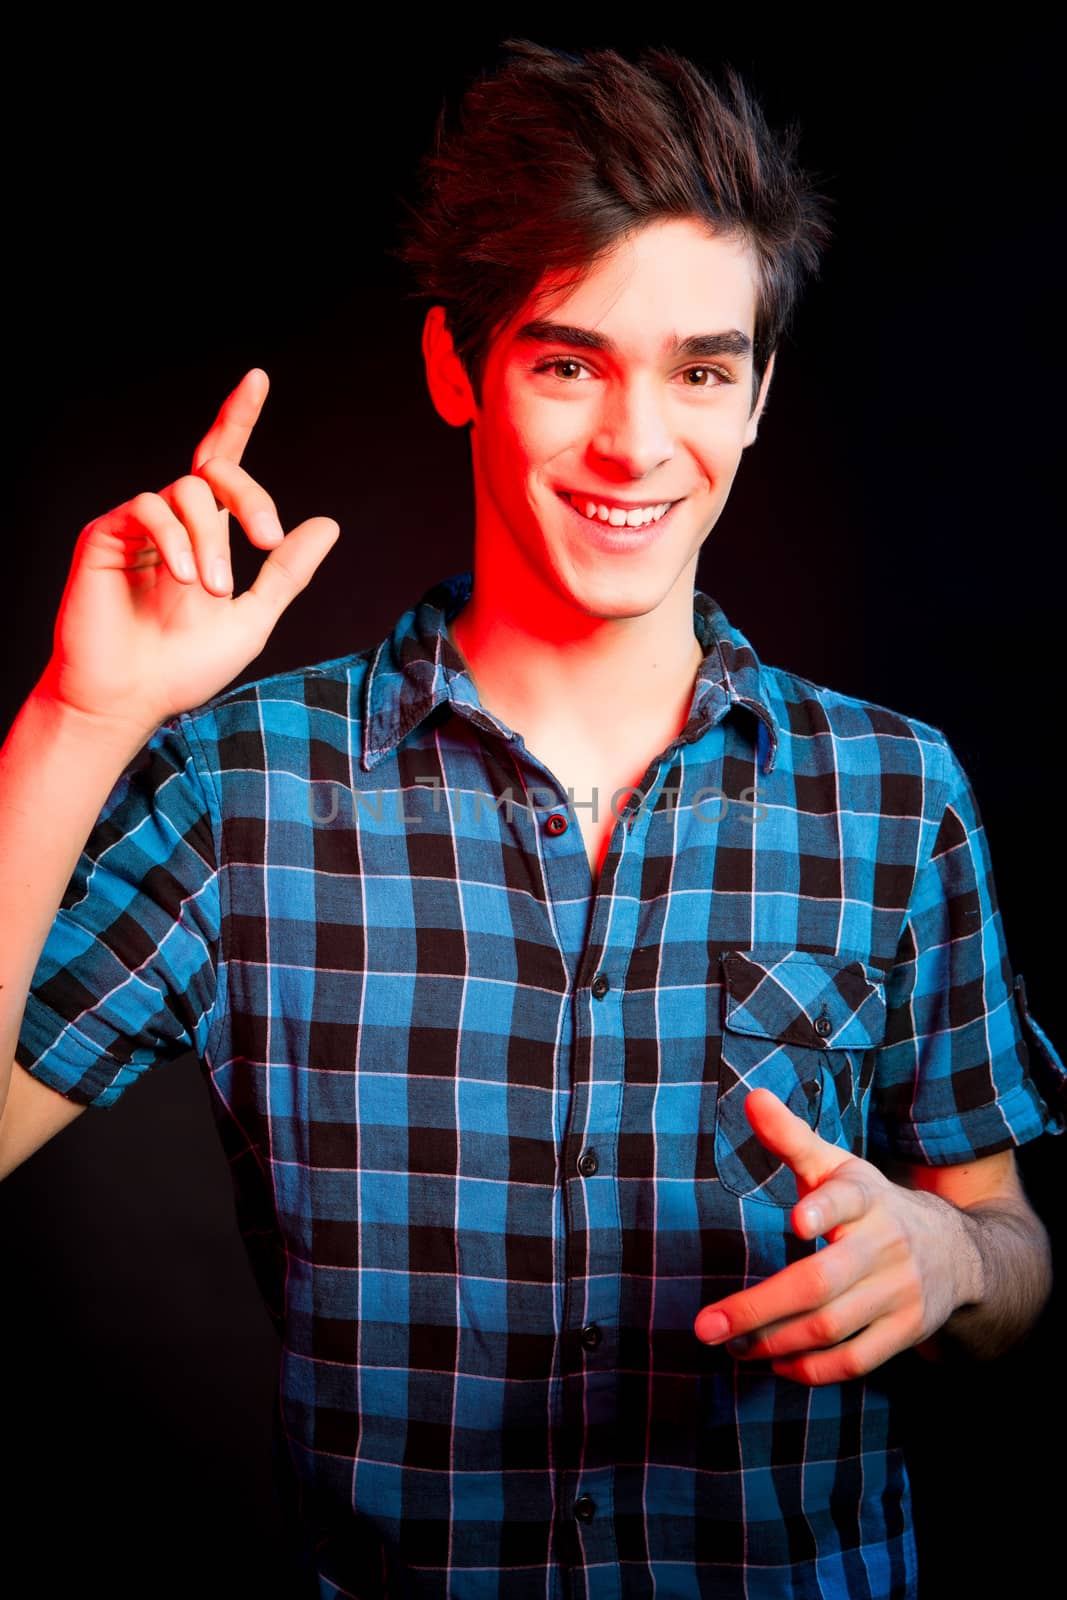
127	975
963	1071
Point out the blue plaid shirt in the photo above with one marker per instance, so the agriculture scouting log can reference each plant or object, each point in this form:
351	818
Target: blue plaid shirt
485	1118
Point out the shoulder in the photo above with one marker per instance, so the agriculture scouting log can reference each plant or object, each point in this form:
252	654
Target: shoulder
851	752
809	713
808	708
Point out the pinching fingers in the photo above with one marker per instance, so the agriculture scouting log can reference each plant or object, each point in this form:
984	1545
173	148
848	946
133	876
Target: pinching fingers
237	491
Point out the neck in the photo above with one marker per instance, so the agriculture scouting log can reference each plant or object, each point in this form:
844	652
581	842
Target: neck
540	662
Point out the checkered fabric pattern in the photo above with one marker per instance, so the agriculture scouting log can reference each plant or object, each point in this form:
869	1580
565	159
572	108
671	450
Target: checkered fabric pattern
485	1118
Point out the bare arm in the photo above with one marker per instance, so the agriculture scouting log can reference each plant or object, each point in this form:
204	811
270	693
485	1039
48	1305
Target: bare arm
56	771
148	627
1009	1252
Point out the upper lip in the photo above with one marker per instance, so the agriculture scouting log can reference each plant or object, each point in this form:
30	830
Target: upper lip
613	500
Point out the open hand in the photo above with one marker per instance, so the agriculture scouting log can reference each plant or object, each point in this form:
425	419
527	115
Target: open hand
149	625
898	1264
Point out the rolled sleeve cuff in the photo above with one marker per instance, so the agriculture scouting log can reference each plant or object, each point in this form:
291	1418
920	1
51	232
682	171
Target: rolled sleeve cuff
82	1071
1017	1117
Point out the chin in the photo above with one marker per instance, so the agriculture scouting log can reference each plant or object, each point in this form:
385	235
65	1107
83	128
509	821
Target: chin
617	594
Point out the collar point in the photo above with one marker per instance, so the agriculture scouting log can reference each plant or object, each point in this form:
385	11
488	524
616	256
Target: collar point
372	755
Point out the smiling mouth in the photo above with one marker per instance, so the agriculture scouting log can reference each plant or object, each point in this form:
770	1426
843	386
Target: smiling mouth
617	516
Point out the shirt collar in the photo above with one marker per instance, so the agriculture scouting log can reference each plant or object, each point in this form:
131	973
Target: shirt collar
417	668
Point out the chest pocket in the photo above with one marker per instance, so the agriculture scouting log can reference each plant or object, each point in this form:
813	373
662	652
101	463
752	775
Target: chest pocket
805	1027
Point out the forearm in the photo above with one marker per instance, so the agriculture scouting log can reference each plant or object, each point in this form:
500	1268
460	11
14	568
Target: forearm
56	771
1008	1273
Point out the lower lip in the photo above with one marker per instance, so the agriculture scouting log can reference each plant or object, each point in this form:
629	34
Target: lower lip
607	537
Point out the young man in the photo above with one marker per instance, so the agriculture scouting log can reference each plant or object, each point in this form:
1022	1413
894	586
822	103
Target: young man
612	1037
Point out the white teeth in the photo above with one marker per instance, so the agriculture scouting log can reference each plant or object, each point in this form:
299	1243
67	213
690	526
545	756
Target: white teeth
638	518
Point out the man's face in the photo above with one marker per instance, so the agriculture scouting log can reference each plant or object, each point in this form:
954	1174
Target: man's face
618	413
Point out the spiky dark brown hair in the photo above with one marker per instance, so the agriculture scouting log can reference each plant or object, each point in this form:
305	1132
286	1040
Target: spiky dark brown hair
554	156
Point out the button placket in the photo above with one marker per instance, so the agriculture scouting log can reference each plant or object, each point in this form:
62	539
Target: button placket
585	1508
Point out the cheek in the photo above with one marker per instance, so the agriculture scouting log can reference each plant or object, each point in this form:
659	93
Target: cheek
718	449
539	428
518	436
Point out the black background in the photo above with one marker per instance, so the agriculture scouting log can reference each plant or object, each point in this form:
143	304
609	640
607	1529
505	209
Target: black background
184	207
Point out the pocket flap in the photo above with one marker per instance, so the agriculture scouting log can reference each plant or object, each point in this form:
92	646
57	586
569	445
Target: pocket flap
799	998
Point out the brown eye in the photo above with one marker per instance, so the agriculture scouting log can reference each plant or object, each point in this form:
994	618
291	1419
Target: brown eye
716	376
553	364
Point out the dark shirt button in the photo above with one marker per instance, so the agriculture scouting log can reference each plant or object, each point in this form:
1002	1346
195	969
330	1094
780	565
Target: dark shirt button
600	985
823	1025
557	823
588	1162
591	1336
585	1508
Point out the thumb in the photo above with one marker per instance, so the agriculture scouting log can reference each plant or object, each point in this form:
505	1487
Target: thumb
290	567
791	1139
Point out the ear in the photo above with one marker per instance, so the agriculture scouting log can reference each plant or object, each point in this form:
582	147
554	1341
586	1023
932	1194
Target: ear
761	399
448	383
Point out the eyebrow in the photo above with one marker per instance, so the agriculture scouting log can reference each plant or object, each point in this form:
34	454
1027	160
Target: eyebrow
731	343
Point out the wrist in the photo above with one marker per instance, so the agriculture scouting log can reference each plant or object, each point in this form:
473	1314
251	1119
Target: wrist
999	1272
969	1259
120	736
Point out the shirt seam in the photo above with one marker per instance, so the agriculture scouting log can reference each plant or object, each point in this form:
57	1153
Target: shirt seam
925	858
207	778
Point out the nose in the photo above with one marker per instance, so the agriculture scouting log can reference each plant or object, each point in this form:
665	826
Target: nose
633	431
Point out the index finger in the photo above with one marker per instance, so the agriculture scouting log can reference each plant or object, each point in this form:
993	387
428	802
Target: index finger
238	415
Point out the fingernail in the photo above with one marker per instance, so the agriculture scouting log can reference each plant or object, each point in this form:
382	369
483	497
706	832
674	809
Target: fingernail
220	574
185	566
812	1217
266	526
712	1328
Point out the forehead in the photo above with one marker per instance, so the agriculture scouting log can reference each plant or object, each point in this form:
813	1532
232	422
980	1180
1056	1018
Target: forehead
659	285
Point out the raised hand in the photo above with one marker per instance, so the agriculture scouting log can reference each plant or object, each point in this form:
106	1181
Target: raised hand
149	625
898	1264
